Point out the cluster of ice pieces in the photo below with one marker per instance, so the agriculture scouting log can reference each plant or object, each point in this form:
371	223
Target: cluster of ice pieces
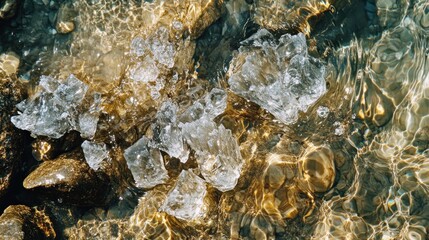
57	108
95	153
218	154
152	51
279	76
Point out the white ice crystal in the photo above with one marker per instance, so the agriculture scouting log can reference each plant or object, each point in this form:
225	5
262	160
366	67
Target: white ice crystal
278	75
218	153
95	153
146	164
52	111
186	200
167	135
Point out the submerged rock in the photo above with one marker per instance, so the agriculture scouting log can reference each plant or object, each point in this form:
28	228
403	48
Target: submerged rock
288	15
8	8
70	180
186	200
9	63
278	75
318	169
19	222
11	140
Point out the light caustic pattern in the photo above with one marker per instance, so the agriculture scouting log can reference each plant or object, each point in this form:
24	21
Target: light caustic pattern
283	145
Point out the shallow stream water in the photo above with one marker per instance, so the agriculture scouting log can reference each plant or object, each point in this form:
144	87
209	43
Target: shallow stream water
211	119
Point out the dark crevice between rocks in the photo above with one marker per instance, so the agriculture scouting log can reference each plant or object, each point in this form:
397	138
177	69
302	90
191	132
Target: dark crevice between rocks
216	45
345	21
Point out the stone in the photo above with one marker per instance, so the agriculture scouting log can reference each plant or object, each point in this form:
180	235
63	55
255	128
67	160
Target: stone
218	153
45	148
65	27
9	63
70	179
288	15
52	111
278	75
146	164
12	140
318	169
95	154
65	19
186	200
19	222
8	8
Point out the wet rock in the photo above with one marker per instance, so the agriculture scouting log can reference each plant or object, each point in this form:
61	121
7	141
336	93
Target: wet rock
287	15
70	180
65	19
318	169
11	139
373	106
9	63
8	8
45	148
19	222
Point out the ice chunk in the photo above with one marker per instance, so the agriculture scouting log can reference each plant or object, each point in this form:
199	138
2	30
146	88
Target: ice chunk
145	71
146	164
161	49
71	92
218	153
138	46
213	104
52	111
94	153
167	136
186	200
279	76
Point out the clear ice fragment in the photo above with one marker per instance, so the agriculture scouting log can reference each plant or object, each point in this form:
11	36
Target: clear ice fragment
218	153
186	200
279	76
167	136
52	111
146	164
95	153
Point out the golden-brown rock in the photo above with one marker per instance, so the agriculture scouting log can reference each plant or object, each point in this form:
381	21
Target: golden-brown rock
19	222
318	169
11	139
69	179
